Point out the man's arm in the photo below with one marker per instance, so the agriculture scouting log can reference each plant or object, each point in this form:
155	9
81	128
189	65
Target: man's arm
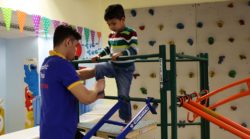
85	95
86	73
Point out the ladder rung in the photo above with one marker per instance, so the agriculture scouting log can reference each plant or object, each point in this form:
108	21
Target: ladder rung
115	123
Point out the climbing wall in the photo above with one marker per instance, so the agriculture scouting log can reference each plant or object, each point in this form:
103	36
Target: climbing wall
219	29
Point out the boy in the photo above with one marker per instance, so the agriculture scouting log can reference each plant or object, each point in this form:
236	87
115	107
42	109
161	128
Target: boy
122	42
61	88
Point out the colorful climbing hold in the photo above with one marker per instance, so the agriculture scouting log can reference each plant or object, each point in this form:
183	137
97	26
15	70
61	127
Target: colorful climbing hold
232	73
214	109
220	23
144	90
190	41
242	90
135	75
231	39
160	27
151	12
183	92
211	74
241	22
242	57
182	123
244	124
180	26
135	106
199	24
233	108
191	75
152	43
230	5
210	40
221	59
171	42
153	75
133	12
142	27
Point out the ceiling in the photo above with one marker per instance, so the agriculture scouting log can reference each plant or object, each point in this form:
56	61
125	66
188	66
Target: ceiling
130	4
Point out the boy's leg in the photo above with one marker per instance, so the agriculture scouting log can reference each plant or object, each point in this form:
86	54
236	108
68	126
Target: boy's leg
123	81
104	69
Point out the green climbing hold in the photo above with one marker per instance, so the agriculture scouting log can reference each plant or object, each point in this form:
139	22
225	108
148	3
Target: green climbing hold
210	40
232	73
144	90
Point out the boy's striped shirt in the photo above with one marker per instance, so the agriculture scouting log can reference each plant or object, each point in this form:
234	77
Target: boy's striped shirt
124	41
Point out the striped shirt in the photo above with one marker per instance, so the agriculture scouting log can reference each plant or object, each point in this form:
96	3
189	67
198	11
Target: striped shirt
124	41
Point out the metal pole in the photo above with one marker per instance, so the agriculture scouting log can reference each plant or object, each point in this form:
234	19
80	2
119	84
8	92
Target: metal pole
205	127
190	57
173	91
132	99
120	58
163	91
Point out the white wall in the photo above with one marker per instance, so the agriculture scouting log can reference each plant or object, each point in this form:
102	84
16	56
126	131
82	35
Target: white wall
2	69
209	14
44	46
17	51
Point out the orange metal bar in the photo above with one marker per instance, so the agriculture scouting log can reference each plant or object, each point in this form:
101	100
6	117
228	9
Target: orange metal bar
216	121
228	99
247	80
220	117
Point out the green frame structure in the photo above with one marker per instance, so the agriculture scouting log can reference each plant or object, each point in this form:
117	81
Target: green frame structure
168	85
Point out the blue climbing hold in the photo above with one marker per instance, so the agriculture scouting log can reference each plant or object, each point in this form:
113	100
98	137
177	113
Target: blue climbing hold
133	13
180	26
190	41
199	24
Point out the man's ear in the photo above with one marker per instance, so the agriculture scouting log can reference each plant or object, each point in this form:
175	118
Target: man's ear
67	41
123	19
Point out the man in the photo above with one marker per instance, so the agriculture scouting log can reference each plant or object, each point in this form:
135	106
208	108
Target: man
61	88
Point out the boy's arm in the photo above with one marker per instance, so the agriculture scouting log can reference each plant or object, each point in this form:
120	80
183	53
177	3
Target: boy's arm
105	51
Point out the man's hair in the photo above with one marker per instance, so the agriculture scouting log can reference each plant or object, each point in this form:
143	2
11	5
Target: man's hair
115	11
64	31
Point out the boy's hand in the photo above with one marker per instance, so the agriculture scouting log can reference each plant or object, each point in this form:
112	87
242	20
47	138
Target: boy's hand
95	58
101	94
116	55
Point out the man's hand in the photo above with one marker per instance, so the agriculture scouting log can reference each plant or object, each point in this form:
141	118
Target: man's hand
116	55
95	58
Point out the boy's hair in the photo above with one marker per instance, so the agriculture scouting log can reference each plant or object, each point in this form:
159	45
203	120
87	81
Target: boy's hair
115	11
64	31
